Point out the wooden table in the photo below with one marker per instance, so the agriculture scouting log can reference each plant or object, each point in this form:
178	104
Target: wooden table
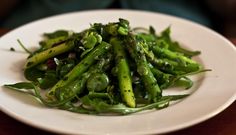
222	124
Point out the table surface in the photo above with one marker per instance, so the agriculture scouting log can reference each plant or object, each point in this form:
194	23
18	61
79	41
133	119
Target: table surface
222	124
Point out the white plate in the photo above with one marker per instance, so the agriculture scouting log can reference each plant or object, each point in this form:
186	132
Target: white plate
214	91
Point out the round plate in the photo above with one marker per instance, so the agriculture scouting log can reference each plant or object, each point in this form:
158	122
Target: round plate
214	91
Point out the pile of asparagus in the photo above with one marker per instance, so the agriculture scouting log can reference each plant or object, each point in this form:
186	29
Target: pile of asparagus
108	68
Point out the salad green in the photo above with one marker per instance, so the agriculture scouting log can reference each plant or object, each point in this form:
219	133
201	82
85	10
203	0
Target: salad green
108	68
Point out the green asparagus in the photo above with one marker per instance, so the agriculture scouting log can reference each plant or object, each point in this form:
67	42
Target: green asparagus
108	68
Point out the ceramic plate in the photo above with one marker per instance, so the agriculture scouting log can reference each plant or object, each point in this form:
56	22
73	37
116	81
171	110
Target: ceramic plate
212	92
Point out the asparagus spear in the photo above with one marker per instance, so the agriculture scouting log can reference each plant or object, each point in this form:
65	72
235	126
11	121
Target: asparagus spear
150	82
50	42
186	63
124	76
81	67
49	53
